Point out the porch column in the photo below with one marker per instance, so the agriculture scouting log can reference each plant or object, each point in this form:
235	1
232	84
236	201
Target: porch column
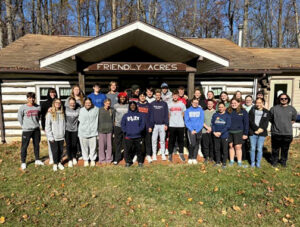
191	84
81	81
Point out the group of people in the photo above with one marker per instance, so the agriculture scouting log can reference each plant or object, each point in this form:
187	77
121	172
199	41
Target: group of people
142	123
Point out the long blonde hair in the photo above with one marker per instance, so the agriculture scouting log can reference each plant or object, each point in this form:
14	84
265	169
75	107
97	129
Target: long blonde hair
81	95
54	111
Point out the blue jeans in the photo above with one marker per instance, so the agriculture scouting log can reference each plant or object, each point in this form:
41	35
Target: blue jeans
257	143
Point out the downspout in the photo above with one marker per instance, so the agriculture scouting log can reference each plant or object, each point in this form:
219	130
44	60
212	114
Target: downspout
2	127
255	87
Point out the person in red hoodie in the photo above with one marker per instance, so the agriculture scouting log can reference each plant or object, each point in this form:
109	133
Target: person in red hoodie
133	123
182	97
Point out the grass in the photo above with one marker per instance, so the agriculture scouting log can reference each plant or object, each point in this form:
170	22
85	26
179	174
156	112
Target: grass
157	195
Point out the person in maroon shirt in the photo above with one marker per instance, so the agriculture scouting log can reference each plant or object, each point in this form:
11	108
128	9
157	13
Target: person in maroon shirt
182	97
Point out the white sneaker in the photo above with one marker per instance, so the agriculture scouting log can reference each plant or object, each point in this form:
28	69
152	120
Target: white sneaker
74	162
149	159
60	166
166	152
154	157
195	161
86	163
70	164
51	162
93	163
38	163
190	161
163	157
80	158
54	167
23	166
134	159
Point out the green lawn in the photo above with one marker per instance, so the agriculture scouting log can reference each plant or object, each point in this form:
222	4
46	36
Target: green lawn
157	195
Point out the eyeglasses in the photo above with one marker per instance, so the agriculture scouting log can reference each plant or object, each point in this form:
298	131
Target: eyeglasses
283	98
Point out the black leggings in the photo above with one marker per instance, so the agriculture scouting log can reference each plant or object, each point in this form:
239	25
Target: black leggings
57	150
194	142
176	134
71	141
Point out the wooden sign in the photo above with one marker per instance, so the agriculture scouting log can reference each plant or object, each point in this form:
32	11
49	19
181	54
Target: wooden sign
138	66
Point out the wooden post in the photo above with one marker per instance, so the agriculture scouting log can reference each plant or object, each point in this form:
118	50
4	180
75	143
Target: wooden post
81	81
2	126
191	85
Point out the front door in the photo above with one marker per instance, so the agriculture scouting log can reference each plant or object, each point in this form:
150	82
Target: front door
278	87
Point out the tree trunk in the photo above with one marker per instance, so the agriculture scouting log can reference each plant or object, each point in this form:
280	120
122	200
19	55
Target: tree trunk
279	34
8	21
39	17
22	17
297	22
46	17
78	10
33	25
245	24
87	28
51	29
193	32
113	14
1	28
97	17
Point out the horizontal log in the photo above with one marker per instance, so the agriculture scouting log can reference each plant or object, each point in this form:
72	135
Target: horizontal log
12	102
13	127
10	119
14	93
10	111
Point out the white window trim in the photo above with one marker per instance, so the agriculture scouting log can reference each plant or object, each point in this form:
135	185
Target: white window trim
56	87
210	88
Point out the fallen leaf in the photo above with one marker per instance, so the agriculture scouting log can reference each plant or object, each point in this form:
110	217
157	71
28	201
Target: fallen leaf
2	220
240	192
94	196
163	220
25	216
224	212
236	208
190	199
288	216
200	203
264	181
259	215
200	220
285	220
276	210
290	200
216	189
84	205
183	212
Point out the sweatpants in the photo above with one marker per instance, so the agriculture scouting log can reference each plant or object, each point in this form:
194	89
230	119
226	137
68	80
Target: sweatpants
146	136
158	131
71	141
280	142
105	148
194	142
57	148
88	148
36	138
207	146
119	143
132	147
176	134
221	149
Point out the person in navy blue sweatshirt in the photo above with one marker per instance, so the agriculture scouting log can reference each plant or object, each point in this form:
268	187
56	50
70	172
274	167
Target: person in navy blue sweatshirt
97	97
144	108
133	124
220	124
159	122
238	131
194	121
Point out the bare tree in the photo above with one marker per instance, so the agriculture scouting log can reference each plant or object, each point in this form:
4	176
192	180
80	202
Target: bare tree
87	16
51	25
22	17
97	17
8	21
113	14
39	17
78	10
297	22
1	28
279	24
46	17
245	23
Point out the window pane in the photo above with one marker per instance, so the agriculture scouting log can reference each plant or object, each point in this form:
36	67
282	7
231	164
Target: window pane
217	91
43	93
64	93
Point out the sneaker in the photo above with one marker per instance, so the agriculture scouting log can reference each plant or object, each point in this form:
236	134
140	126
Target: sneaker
154	157
149	159
217	165
38	163
70	164
115	163
60	166
195	161
206	160
93	163
54	167
141	165
74	162
224	166
166	152
128	164
80	158
231	163
275	165
190	161
134	159
51	162
181	156
86	163
170	157
23	166
163	157
253	165
283	164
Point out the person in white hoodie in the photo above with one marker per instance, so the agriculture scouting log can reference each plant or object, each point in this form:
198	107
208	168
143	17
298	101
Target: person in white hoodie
88	131
55	131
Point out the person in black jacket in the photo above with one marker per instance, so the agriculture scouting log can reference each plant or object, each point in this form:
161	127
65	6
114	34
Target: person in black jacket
200	97
52	94
258	124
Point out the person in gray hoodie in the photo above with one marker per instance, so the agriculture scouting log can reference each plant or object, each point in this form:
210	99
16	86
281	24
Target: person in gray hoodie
72	114
166	94
29	117
55	131
88	131
119	110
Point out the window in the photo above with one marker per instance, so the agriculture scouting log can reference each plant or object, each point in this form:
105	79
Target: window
63	92
217	90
